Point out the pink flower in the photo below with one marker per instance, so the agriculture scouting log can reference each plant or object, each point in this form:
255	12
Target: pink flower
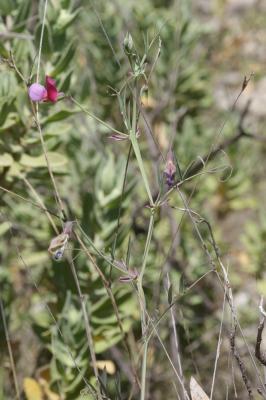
52	92
38	92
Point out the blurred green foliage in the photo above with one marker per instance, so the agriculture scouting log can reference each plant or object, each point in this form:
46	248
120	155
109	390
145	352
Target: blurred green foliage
83	50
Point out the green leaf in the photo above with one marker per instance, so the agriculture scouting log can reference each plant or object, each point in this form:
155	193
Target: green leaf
47	47
23	12
39	257
64	60
6	160
61	353
55	160
40	316
58	116
8	85
110	319
6	6
104	342
65	19
65	82
182	284
4	227
170	294
3	51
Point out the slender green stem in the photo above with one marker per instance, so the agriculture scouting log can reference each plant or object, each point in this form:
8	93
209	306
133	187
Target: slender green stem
147	245
143	305
30	202
100	253
41	40
143	371
136	149
140	279
135	145
97	119
133	138
88	328
120	210
36	195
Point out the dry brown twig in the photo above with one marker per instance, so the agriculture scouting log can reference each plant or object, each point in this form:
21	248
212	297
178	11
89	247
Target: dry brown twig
258	353
260	356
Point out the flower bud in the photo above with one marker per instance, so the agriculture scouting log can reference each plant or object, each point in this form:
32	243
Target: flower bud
128	44
170	169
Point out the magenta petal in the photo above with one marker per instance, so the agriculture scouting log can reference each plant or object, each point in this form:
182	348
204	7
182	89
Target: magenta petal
37	92
49	80
52	92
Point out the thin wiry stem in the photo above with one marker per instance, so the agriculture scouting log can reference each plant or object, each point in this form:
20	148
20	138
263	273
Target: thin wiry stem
57	195
143	306
96	118
121	202
81	297
229	296
12	363
98	252
177	349
61	208
228	291
170	360
36	195
82	300
135	145
36	205
132	127
177	299
37	120
219	343
41	40
111	297
105	34
144	349
29	272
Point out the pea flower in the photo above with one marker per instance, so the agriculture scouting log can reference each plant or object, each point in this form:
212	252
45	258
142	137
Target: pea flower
58	244
170	169
52	92
37	92
49	92
132	274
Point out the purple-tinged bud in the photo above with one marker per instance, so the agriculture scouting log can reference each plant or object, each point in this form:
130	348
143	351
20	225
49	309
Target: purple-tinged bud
68	227
170	169
132	276
118	137
37	92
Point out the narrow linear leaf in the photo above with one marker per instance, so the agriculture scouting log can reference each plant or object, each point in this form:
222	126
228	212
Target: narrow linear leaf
64	60
58	116
170	294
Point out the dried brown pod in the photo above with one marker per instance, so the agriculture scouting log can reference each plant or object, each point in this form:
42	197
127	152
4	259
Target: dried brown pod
58	244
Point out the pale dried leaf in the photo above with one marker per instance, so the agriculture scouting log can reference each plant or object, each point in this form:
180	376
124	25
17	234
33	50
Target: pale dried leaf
32	389
108	365
197	393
